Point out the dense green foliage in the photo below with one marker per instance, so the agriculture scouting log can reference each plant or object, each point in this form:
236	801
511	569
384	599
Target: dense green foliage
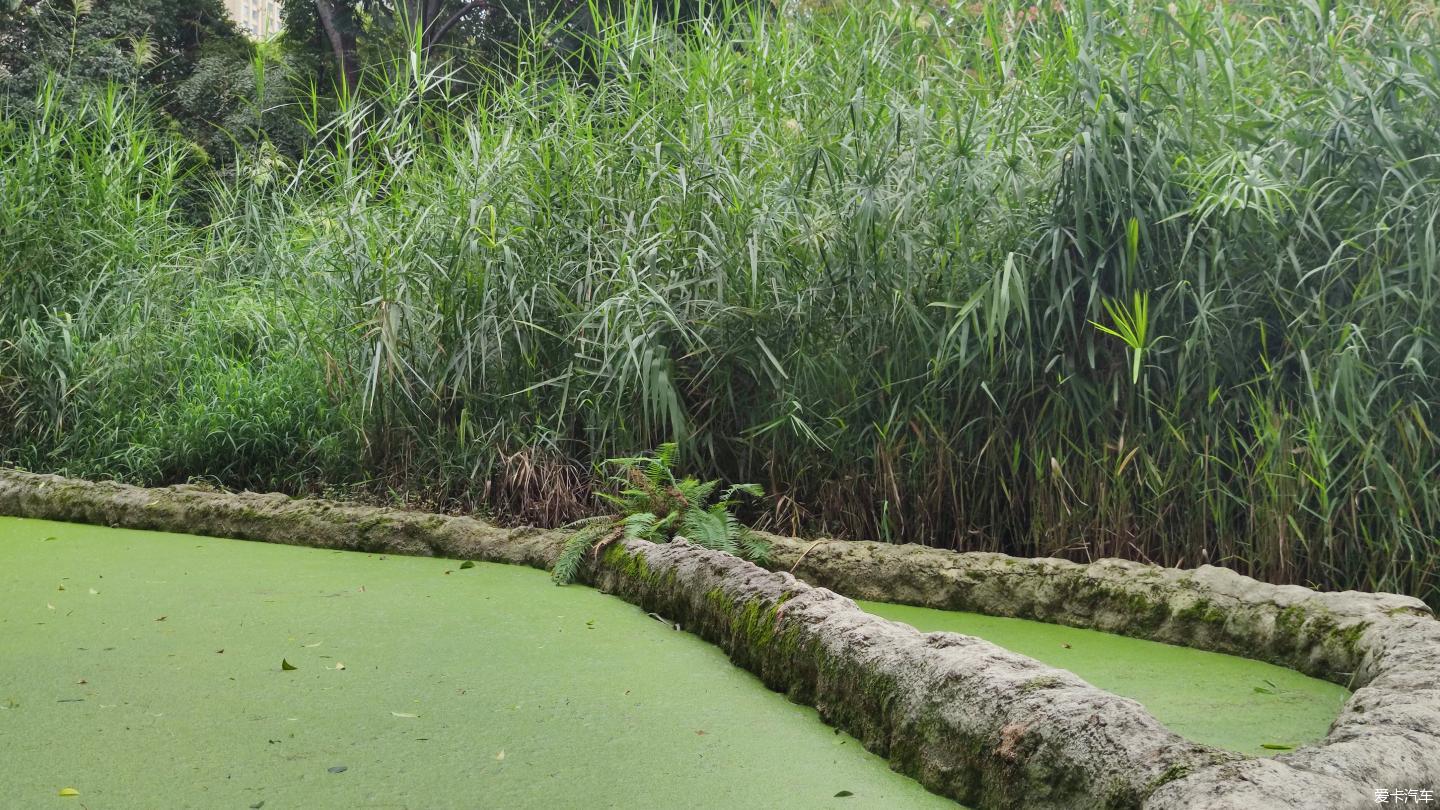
653	503
1159	281
147	46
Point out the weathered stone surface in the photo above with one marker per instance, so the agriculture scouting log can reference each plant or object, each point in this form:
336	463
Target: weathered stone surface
274	518
1207	608
1384	646
966	718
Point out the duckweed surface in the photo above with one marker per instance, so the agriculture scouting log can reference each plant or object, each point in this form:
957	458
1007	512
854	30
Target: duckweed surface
147	670
1220	700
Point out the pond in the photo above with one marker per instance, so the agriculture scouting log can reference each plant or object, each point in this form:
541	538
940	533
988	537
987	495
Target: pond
141	667
145	670
1220	700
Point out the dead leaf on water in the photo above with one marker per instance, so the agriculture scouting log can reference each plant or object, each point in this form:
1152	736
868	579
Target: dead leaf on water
339	665
69	792
316	644
286	666
48	605
94	592
403	714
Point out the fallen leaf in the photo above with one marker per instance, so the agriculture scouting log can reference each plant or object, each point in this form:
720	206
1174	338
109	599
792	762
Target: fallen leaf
94	592
69	792
1066	646
257	805
219	651
82	680
60	588
844	793
500	756
1276	746
316	644
467	564
403	714
286	666
162	618
699	732
337	769
48	605
339	665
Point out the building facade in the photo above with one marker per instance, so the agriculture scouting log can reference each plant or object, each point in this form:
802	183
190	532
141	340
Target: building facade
258	18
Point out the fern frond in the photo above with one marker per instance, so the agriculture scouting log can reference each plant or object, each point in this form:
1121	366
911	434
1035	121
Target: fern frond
567	565
640	526
667	524
696	493
708	529
753	490
665	455
754	548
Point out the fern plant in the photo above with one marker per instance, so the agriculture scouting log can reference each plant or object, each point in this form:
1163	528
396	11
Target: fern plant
653	504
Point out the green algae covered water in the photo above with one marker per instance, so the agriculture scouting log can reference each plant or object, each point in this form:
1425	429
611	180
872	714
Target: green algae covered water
144	670
1220	700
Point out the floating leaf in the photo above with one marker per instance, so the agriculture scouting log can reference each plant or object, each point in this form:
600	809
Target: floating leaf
48	605
162	618
1276	746
316	644
337	769
467	564
403	714
843	794
500	756
286	666
94	592
69	792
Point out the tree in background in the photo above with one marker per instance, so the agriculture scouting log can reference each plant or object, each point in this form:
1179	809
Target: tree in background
345	34
150	43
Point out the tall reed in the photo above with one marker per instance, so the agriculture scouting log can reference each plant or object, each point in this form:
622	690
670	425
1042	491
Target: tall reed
1129	279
